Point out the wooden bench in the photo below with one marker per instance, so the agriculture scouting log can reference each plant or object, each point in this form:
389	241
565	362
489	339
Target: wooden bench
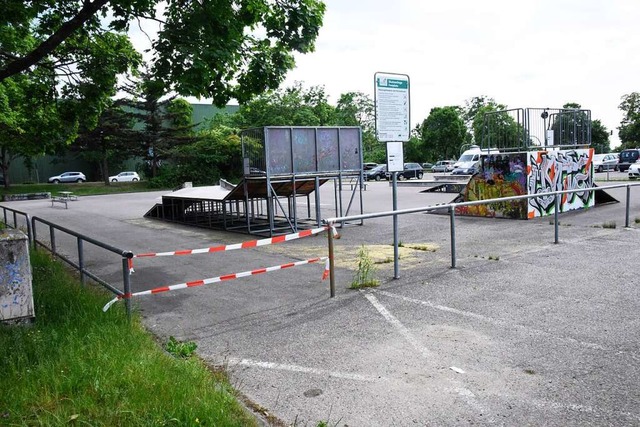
59	199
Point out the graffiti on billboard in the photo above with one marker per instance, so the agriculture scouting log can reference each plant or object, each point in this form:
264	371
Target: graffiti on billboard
550	171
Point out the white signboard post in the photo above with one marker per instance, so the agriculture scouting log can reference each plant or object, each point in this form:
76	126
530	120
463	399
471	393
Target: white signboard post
393	126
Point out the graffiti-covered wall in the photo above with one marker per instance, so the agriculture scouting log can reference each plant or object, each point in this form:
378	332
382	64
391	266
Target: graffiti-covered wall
559	170
501	175
535	172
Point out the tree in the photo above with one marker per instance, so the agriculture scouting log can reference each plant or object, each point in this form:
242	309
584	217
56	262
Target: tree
166	122
600	137
110	142
357	109
221	50
494	127
472	107
32	121
443	133
629	129
293	106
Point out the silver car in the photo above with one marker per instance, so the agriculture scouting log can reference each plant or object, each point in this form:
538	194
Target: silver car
68	177
605	162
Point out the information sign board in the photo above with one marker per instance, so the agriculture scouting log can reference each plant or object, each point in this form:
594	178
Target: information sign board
392	107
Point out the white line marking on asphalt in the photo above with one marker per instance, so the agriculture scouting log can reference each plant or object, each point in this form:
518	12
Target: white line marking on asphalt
492	320
397	324
470	398
301	369
458	370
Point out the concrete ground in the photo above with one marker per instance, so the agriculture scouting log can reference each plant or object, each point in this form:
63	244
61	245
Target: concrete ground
522	332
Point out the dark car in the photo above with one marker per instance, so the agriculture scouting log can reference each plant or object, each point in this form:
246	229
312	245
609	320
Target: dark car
627	158
376	174
411	170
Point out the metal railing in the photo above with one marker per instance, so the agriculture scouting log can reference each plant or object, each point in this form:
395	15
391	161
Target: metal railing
80	265
15	213
451	208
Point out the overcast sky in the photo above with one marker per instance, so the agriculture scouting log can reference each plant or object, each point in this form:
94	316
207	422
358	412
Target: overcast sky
536	53
523	54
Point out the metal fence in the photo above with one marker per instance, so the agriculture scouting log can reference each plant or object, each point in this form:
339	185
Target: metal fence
15	224
451	209
81	239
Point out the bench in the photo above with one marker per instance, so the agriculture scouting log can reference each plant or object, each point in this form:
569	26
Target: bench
59	199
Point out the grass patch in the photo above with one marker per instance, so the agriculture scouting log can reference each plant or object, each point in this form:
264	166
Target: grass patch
637	220
81	189
365	270
422	247
494	258
76	364
609	224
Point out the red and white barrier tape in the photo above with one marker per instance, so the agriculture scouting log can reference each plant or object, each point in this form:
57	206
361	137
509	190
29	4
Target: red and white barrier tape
220	279
243	245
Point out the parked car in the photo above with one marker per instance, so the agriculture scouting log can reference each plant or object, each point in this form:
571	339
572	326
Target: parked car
427	166
443	166
634	171
605	162
369	166
377	173
125	177
411	170
627	158
68	177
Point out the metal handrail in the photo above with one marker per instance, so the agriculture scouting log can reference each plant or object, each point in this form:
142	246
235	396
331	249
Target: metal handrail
451	207
15	220
81	238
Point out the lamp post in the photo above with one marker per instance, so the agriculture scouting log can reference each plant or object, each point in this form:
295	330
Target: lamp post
544	116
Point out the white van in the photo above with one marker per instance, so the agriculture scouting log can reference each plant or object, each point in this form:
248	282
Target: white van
469	161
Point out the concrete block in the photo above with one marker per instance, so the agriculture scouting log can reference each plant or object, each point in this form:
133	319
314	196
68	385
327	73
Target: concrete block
16	295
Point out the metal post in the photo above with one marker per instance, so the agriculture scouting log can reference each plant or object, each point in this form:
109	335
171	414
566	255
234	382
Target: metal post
127	285
452	227
626	217
332	279
33	233
556	222
52	237
15	220
317	197
81	260
396	254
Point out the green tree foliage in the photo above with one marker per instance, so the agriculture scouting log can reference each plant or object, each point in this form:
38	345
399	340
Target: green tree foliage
293	106
470	110
217	153
215	49
357	109
110	142
442	133
629	129
32	121
166	122
600	137
495	127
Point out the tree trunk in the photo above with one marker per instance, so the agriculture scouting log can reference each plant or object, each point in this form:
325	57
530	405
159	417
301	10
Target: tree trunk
5	162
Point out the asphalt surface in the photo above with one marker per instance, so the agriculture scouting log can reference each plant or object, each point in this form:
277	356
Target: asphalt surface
522	332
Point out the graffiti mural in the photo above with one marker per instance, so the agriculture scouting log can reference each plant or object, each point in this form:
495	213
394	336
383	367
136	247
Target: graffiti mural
501	175
550	171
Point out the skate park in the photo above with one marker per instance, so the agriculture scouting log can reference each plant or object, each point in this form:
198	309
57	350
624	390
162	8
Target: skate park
522	331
